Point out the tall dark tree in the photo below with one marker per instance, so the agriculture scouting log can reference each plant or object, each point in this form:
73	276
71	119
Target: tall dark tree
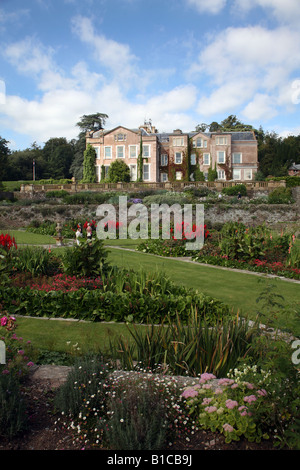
59	154
4	152
87	123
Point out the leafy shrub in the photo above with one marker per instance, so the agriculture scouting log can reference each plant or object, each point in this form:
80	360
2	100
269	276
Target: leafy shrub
85	260
234	190
118	172
56	194
13	418
139	419
169	198
85	380
280	196
35	260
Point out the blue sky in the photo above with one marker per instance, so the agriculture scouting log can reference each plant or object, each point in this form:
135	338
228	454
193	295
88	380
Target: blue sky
177	62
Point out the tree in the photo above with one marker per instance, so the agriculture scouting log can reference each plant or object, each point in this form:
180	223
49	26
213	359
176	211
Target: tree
89	170
118	172
4	152
59	155
87	123
212	175
92	122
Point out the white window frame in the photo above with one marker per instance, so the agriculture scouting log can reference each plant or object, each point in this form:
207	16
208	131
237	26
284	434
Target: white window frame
164	177
123	151
97	150
144	166
250	172
205	144
234	155
221	140
221	175
164	159
120	137
218	157
206	154
178	142
105	157
178	175
131	167
178	153
149	150
236	174
193	159
136	151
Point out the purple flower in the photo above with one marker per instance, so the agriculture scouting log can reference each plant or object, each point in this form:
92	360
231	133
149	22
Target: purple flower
3	321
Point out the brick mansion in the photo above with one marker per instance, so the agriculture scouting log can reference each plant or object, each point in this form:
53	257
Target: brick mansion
177	155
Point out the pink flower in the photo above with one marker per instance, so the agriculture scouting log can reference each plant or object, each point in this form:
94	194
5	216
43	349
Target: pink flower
206	401
250	398
230	404
226	382
204	377
227	427
189	393
3	321
30	364
249	385
262	392
210	409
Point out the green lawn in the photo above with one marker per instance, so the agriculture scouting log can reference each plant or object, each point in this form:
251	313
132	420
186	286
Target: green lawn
239	290
28	238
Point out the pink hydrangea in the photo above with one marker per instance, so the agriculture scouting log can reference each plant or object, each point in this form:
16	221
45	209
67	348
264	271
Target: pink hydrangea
250	398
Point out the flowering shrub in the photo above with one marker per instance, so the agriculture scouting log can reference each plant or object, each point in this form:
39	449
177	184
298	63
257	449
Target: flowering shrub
127	411
17	351
227	406
7	242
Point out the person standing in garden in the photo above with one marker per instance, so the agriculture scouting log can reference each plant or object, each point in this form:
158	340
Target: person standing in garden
89	231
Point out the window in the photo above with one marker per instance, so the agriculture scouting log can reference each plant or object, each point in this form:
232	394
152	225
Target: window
97	150
198	142
120	151
179	175
221	174
221	140
193	159
120	137
132	151
178	142
164	159
133	172
206	159
248	174
236	158
236	174
163	177
98	173
205	144
146	151
221	157
146	172
107	152
178	157
106	168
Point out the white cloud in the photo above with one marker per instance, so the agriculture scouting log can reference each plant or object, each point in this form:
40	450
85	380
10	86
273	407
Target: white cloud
243	62
284	11
261	107
207	6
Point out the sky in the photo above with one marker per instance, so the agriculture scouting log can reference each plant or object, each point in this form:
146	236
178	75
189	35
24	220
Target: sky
178	63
